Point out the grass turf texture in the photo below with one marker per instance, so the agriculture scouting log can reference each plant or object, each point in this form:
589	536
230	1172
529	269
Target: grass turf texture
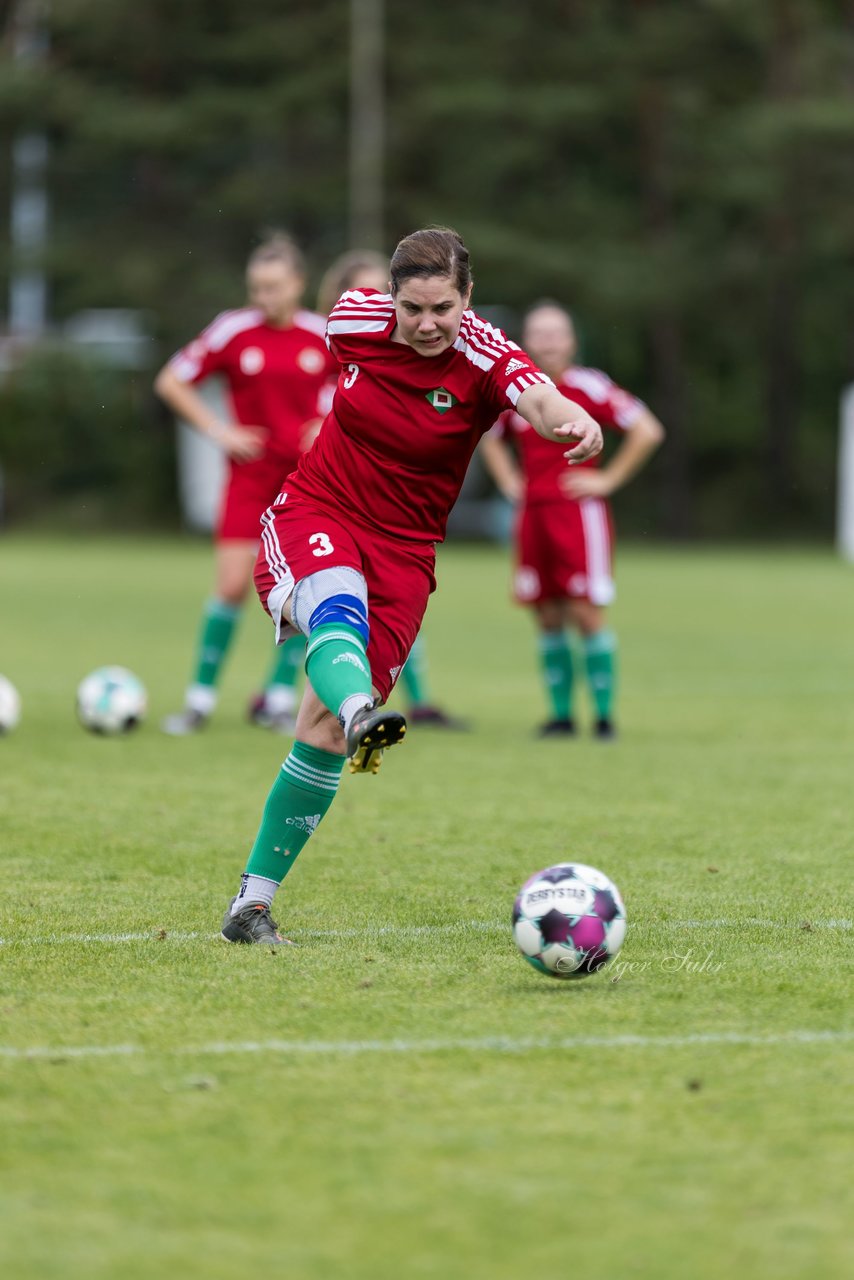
434	1107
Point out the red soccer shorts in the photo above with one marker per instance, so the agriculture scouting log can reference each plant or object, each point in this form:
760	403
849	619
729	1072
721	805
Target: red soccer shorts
300	538
563	549
249	490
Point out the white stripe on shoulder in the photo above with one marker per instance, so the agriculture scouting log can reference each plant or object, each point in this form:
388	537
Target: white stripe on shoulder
480	332
311	321
593	382
357	297
354	325
477	358
228	324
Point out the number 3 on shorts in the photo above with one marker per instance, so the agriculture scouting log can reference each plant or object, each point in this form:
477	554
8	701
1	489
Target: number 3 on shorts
324	547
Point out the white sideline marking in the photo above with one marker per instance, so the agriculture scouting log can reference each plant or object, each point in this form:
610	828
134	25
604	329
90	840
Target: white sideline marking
415	930
482	1044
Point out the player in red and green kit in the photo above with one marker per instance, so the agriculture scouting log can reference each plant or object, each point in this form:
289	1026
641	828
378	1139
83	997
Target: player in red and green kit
275	363
347	553
564	530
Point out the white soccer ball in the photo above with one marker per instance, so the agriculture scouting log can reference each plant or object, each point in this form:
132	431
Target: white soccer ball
111	700
569	920
10	705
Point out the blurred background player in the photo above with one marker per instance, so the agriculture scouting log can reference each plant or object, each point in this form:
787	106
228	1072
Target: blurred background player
564	531
273	358
365	269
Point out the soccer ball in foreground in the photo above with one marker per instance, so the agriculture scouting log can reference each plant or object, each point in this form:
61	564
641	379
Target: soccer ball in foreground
10	705
569	920
111	700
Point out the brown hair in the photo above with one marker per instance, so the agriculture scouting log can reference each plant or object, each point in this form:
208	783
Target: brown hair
436	251
546	304
277	246
344	270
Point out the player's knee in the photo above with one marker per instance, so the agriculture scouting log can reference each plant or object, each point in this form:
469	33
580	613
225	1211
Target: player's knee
337	596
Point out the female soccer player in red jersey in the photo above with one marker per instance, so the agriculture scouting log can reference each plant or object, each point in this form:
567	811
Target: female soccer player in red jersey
365	269
275	363
564	530
347	552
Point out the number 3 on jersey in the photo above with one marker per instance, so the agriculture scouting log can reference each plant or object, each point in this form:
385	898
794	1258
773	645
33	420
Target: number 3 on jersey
352	375
324	547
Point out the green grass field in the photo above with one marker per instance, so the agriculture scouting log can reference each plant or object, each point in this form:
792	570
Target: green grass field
401	1095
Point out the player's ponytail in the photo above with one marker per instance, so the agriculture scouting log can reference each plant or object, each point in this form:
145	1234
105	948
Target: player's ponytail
435	251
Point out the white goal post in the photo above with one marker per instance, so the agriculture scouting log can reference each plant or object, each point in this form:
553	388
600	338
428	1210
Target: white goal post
202	464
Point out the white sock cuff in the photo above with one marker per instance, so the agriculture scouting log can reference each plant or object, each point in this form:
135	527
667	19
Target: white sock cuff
254	889
201	698
349	707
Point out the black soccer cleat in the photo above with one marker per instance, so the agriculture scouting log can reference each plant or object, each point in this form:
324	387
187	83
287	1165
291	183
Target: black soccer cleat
371	731
604	729
253	923
563	728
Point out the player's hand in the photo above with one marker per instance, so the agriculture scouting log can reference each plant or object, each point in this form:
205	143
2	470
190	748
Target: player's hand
586	484
589	436
243	444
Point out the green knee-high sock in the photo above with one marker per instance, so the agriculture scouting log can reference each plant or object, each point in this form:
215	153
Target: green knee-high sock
299	798
287	661
215	636
413	677
600	654
336	663
557	668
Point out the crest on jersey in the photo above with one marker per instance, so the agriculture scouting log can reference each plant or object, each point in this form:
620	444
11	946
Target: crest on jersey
251	360
441	399
310	360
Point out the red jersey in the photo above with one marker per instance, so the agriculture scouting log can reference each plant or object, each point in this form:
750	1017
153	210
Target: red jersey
543	464
275	376
394	449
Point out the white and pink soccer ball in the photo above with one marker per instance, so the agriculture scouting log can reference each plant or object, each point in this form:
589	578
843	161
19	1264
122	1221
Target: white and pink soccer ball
569	920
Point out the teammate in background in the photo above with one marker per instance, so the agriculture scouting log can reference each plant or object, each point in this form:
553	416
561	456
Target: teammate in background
274	359
347	554
365	269
564	531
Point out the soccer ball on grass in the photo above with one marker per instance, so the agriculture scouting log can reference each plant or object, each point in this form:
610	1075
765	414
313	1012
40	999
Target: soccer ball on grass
10	706
111	700
569	920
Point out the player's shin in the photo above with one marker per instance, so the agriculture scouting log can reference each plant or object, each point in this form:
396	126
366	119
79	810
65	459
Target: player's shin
215	636
600	653
279	692
337	666
558	675
413	677
298	800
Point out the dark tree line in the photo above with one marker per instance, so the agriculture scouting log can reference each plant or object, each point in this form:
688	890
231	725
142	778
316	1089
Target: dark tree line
681	172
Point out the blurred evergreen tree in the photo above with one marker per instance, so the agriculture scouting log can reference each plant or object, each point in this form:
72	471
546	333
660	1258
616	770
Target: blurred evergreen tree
679	173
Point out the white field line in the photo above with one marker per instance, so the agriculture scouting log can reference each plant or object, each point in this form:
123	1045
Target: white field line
410	931
478	1044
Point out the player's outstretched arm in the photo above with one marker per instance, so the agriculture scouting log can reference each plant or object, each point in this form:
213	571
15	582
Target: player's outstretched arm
556	418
